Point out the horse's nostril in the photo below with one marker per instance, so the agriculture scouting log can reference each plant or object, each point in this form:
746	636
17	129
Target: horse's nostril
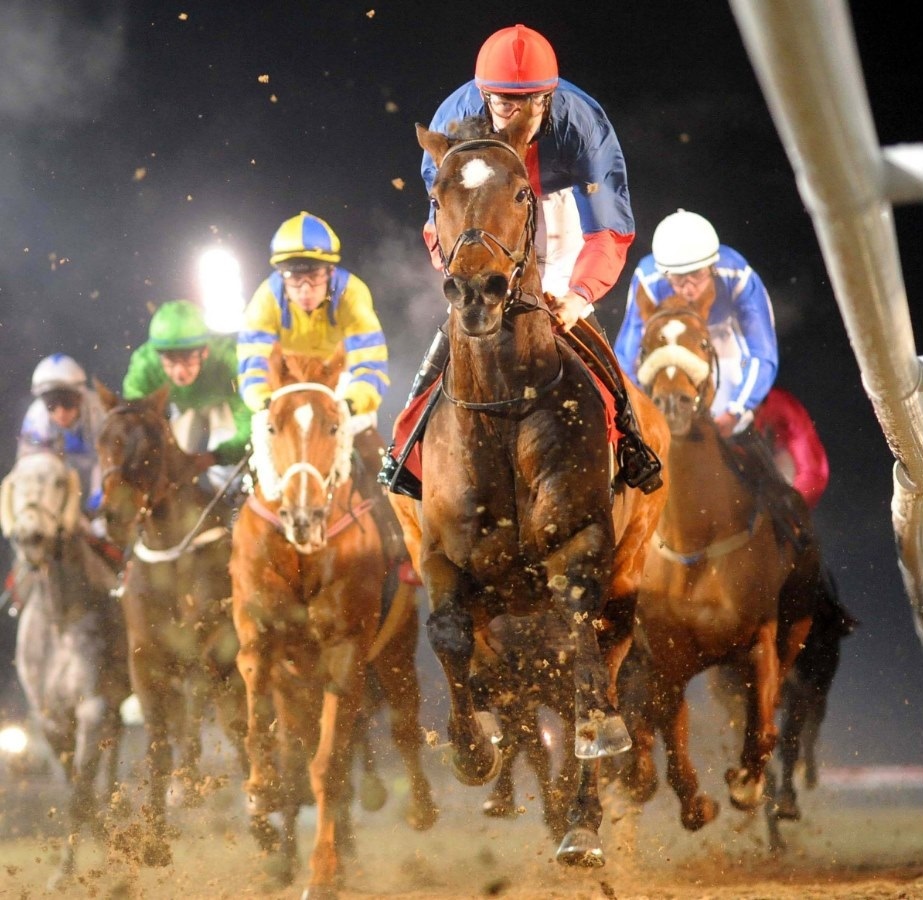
496	286
451	290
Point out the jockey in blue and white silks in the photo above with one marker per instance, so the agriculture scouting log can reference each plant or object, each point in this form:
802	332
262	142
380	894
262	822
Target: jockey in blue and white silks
741	324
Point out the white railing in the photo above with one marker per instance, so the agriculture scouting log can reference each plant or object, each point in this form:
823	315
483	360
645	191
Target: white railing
805	58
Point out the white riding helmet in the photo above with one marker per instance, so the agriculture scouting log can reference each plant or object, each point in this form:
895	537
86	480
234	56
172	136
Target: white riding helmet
683	242
56	372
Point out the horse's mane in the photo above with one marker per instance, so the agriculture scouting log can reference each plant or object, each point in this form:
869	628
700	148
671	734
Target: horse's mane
471	128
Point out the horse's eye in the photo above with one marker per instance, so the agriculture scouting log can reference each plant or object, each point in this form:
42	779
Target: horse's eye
334	428
433	202
522	194
704	345
270	428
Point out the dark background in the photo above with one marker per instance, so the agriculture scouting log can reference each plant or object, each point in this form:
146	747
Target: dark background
132	138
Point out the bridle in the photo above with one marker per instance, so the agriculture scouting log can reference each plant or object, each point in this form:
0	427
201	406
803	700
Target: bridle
272	483
480	236
699	371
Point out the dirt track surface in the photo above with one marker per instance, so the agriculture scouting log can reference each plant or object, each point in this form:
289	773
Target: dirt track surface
849	844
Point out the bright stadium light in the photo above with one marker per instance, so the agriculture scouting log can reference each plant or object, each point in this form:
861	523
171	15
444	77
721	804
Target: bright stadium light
221	290
13	740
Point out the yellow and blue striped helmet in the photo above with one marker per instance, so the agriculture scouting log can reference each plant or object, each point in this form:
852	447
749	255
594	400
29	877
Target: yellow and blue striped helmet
304	237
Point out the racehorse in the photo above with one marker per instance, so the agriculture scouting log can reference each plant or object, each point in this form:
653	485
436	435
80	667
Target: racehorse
308	572
721	587
70	644
175	598
522	505
802	708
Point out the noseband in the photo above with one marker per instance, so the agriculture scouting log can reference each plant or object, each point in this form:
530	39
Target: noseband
698	370
273	484
486	239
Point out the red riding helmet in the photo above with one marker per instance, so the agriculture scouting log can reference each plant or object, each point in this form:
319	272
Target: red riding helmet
516	60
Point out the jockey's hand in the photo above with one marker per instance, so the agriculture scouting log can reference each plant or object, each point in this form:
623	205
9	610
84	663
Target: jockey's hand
568	308
726	422
203	461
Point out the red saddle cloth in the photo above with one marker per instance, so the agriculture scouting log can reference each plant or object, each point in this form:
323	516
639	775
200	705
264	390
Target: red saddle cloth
410	415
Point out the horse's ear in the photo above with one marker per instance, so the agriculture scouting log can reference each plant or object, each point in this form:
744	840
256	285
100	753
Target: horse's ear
337	362
703	305
644	302
160	398
434	143
277	367
7	519
516	134
110	399
70	515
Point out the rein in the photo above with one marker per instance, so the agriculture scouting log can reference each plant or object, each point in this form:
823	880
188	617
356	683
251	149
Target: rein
350	517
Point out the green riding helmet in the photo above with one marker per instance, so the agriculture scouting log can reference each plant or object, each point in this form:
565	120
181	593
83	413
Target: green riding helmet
178	325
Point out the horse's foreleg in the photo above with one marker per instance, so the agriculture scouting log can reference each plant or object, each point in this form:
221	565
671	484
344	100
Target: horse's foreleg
696	809
328	770
747	783
581	845
254	664
397	676
599	730
476	759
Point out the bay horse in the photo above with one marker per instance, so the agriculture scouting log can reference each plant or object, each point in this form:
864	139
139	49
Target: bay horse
721	586
71	656
175	597
308	571
522	506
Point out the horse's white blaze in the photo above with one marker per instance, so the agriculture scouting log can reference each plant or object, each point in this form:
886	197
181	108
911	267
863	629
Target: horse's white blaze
673	330
304	416
475	173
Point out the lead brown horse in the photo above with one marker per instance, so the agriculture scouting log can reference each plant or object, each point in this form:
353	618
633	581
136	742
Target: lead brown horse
523	508
175	597
308	572
722	586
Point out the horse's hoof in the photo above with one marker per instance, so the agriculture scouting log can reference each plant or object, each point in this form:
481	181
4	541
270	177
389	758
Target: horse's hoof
746	792
785	806
499	807
319	892
421	815
581	847
478	771
699	813
372	792
604	736
280	868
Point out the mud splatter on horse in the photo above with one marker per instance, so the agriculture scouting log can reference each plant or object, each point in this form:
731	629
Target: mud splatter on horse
176	601
721	586
70	642
308	573
523	508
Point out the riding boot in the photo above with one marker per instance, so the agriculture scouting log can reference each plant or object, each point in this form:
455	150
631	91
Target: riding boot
369	448
639	465
394	475
782	502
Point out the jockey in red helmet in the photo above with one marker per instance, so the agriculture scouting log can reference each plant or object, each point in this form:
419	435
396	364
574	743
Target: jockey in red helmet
575	165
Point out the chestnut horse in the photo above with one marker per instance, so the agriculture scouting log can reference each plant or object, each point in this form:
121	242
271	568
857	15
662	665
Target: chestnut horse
308	573
175	597
720	587
522	506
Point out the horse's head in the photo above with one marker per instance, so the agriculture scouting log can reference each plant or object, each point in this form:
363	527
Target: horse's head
678	362
39	504
132	446
302	451
485	219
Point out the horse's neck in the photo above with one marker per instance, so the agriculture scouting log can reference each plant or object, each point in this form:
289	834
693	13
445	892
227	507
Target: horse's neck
706	497
74	582
522	354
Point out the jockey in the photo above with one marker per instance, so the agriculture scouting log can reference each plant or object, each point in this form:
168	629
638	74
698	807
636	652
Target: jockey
310	305
576	167
687	259
65	417
207	415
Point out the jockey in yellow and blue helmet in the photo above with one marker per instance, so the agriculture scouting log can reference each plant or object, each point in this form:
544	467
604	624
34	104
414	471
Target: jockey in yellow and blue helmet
310	304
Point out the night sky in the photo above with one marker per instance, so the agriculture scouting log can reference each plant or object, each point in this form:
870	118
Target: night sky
135	135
